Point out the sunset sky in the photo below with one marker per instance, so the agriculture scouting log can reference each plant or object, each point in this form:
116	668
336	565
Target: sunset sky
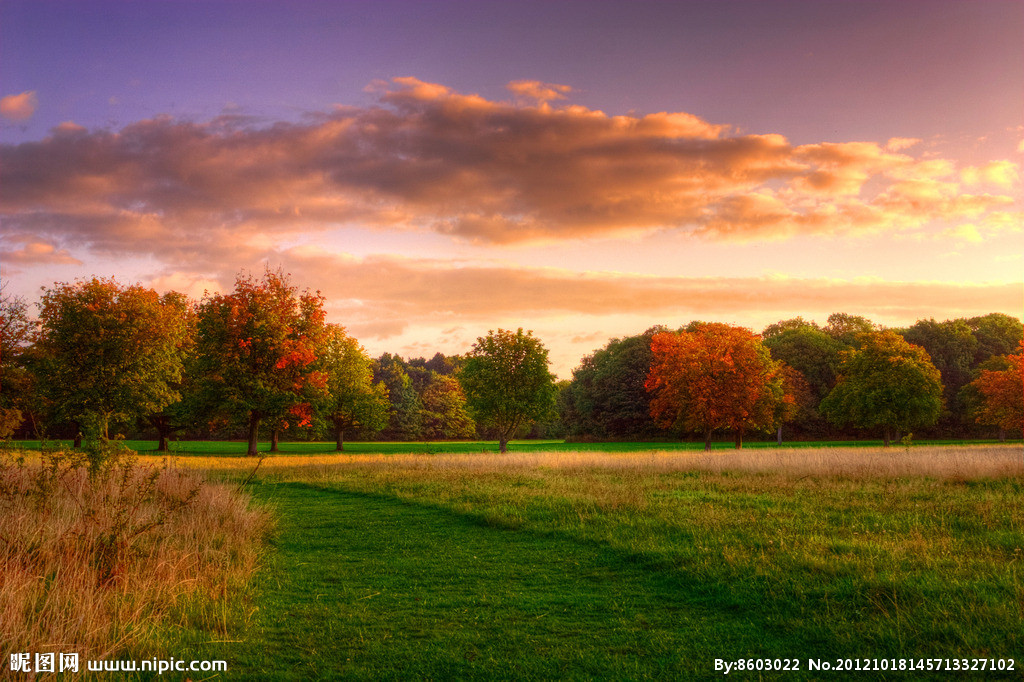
582	169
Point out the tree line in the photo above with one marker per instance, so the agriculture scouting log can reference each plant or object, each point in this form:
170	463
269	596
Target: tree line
262	362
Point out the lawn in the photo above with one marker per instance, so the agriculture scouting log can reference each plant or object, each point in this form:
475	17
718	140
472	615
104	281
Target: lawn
632	565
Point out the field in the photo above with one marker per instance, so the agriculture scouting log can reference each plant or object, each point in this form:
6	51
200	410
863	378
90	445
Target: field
582	564
587	565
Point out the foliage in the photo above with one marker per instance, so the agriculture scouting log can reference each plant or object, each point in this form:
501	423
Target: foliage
997	334
507	382
952	347
887	383
256	351
444	415
109	351
713	376
352	401
1002	394
405	413
606	397
847	329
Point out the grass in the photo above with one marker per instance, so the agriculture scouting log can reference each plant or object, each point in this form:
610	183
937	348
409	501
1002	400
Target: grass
238	448
118	559
627	564
634	565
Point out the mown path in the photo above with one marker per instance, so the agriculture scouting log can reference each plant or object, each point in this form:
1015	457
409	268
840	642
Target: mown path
370	587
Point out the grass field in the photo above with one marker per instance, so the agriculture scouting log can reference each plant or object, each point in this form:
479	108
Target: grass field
235	448
623	564
584	565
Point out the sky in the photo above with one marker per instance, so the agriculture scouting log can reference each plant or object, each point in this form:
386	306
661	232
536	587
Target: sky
585	170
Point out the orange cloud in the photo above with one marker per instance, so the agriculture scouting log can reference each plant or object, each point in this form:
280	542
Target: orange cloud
35	251
19	107
428	158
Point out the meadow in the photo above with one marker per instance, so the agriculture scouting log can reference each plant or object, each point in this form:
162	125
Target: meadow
627	563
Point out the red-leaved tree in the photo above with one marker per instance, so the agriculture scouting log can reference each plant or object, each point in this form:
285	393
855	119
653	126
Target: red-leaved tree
256	352
714	376
1003	395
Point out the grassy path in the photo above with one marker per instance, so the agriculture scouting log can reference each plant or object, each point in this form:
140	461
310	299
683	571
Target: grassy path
370	587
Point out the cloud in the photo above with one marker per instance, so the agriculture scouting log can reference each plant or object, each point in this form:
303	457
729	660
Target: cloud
395	293
35	251
19	107
427	158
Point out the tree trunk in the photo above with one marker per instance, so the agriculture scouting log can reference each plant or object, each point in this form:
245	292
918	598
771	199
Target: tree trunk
739	439
254	430
162	445
78	440
502	444
885	437
339	434
778	435
1002	435
707	442
274	436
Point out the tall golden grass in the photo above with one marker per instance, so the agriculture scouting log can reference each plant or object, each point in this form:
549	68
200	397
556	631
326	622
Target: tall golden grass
94	562
942	462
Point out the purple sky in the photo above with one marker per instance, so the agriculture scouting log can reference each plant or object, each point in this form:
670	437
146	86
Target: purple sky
867	153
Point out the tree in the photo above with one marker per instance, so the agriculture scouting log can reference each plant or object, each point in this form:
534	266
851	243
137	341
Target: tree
507	382
952	347
256	349
997	334
352	400
17	333
607	390
444	413
109	351
887	383
1002	394
405	412
847	329
713	376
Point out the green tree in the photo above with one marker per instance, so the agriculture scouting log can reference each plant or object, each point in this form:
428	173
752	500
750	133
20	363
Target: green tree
887	383
256	349
352	401
996	334
507	382
405	413
952	347
607	391
109	352
17	333
848	329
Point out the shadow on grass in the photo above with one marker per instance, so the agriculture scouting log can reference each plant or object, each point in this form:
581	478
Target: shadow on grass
368	586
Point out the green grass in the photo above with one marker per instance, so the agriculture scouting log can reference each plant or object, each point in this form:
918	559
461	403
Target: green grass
236	448
481	568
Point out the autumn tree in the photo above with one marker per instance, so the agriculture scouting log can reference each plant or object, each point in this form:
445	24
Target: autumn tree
352	400
714	376
444	414
256	348
109	352
507	382
886	383
1002	393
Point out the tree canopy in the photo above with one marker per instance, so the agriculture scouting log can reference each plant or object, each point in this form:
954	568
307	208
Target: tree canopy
714	376
256	351
1002	394
887	383
109	351
507	382
352	400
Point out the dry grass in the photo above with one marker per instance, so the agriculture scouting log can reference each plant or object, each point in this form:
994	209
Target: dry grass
95	562
941	462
